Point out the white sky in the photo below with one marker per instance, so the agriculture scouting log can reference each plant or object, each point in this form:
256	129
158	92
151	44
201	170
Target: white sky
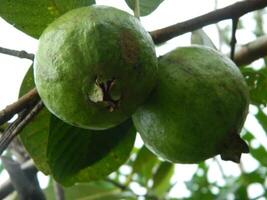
13	69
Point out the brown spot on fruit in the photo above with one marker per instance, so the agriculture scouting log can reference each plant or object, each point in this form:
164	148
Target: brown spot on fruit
129	47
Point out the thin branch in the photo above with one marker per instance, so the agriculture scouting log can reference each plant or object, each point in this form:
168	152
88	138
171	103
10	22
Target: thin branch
16	53
241	167
251	51
117	184
233	40
4	139
23	102
59	192
24	118
230	12
125	188
220	168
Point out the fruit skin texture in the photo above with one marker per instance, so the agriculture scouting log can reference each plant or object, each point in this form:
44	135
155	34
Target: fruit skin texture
197	109
94	67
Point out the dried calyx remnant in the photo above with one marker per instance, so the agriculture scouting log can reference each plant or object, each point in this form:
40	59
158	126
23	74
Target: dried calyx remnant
232	147
106	93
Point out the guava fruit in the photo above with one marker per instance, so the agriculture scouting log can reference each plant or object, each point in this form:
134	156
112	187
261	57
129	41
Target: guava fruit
197	108
94	66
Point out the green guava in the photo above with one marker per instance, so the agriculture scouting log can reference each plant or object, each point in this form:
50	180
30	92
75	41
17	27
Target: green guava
197	109
95	66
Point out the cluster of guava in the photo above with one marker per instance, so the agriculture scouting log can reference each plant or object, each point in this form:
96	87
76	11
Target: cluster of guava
96	67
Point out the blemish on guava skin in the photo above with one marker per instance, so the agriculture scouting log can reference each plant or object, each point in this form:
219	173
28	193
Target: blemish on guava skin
129	47
106	93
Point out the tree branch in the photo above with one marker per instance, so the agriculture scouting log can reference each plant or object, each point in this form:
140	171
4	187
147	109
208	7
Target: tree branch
14	128
230	12
25	101
251	51
19	54
28	189
28	168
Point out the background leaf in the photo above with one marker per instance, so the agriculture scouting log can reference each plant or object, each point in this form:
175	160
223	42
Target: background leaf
257	83
161	178
146	6
262	118
260	154
81	155
144	164
99	190
201	38
33	16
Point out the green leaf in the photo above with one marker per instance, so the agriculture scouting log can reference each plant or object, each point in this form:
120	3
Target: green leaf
161	179
99	190
112	195
144	164
81	155
241	193
35	135
248	136
199	180
232	185
253	177
201	38
146	7
257	83
33	16
199	185
260	154
262	118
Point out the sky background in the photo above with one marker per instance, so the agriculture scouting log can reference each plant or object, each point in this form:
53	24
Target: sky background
12	71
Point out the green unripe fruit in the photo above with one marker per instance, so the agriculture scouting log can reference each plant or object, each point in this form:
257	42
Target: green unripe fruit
94	67
197	109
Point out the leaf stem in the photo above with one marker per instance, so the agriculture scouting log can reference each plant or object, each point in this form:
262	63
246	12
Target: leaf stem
137	9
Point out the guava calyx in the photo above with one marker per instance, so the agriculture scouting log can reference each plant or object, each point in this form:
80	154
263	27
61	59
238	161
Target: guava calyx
232	148
106	93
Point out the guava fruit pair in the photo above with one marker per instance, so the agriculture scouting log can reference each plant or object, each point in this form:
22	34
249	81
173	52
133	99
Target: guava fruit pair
94	66
197	109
